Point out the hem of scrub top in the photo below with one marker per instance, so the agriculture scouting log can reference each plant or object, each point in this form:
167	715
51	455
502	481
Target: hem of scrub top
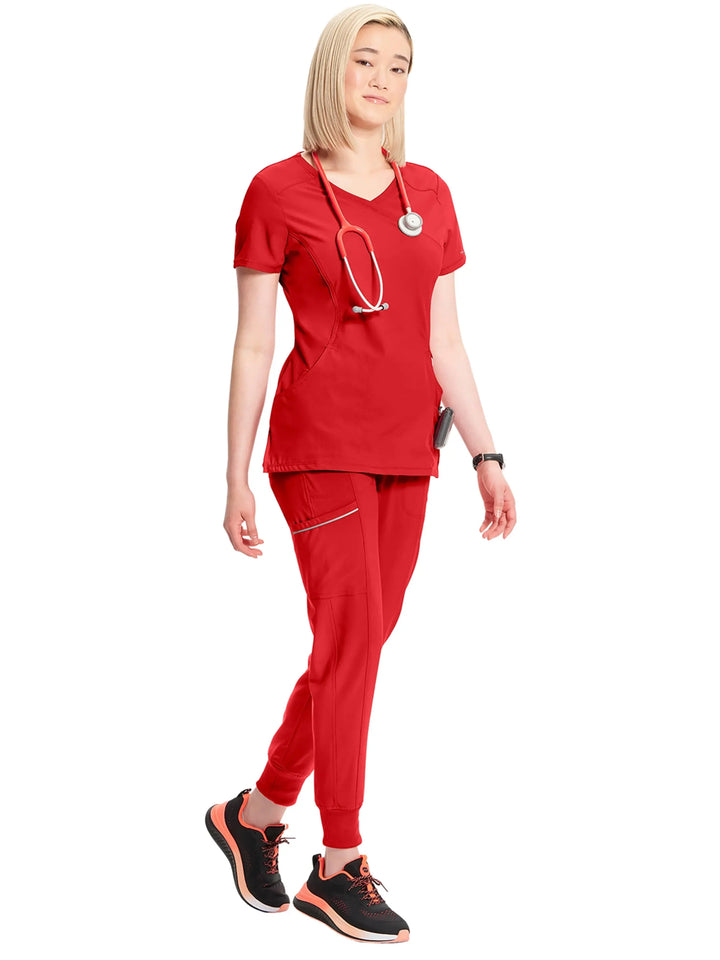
354	468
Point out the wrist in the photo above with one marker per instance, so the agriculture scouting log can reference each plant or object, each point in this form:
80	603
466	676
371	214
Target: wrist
236	481
484	458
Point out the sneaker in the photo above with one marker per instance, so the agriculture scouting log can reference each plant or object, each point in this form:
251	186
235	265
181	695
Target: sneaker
349	902
252	852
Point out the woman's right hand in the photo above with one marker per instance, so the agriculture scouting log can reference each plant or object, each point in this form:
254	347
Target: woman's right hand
241	510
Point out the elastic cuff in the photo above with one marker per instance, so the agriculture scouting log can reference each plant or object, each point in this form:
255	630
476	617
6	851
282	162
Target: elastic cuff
280	787
341	828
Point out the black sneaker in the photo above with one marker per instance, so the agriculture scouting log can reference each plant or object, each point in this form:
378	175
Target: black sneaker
252	852
349	902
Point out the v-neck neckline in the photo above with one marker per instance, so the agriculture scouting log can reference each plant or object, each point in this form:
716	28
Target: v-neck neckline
315	173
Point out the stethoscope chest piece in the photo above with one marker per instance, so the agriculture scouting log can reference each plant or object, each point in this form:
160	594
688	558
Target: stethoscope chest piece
411	224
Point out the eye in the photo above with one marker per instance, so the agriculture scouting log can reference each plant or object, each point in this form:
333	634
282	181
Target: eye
400	69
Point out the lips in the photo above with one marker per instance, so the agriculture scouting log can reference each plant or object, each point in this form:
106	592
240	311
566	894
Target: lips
375	99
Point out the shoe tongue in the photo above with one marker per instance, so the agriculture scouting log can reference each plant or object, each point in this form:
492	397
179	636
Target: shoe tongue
358	867
273	831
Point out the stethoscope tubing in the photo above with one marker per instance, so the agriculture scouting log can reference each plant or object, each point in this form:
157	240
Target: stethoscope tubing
347	227
377	305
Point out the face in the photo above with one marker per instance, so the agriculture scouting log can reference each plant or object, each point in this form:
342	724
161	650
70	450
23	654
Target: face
376	78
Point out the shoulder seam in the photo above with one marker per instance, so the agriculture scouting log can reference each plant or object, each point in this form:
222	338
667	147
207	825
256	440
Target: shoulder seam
427	174
259	175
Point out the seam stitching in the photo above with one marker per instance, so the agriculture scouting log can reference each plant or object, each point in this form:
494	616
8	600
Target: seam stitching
367	631
333	726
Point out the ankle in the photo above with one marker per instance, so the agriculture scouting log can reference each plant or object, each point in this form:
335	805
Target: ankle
259	811
336	857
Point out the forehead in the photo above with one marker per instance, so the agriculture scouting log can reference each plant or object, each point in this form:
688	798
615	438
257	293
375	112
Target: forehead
388	40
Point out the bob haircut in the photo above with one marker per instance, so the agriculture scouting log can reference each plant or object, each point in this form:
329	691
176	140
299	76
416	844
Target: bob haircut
326	121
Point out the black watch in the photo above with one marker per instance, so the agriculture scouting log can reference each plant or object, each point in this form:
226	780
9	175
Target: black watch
488	456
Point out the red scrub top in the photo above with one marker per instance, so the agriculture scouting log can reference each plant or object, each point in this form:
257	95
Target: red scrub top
357	392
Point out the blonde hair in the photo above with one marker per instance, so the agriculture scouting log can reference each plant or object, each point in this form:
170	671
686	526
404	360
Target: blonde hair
326	122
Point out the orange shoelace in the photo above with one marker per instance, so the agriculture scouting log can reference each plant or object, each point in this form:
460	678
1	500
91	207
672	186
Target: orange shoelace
370	893
270	850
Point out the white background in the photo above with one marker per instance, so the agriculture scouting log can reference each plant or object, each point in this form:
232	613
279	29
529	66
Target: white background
542	764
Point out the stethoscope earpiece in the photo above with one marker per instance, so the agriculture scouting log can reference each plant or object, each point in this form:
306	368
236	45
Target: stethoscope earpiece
411	224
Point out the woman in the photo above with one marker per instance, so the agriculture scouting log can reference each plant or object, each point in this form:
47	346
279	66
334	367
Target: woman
351	442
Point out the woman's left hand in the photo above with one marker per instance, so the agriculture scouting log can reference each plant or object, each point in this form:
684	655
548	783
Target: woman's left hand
499	501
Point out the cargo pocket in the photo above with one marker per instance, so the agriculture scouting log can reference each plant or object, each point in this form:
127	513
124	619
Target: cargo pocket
332	516
330	551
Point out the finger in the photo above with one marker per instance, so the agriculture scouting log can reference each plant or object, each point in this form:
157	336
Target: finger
487	522
511	520
242	541
497	528
249	551
252	533
249	539
490	531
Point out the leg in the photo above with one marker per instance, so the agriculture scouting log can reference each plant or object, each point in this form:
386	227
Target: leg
402	502
290	754
401	513
401	517
333	517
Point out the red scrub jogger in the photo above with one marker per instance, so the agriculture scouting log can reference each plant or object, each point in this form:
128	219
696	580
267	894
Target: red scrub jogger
357	538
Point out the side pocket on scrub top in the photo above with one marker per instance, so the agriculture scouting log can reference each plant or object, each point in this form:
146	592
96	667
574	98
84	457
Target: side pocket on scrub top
325	354
308	373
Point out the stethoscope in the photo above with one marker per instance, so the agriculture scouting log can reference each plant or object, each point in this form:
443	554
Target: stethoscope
410	224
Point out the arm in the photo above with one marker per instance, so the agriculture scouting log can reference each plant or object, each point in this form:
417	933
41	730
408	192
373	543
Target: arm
452	369
252	359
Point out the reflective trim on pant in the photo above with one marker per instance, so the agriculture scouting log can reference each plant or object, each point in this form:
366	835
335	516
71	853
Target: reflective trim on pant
357	552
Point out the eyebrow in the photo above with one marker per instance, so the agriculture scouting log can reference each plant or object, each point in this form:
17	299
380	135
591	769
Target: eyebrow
398	56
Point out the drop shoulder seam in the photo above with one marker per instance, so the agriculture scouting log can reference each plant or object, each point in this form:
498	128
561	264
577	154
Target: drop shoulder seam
277	203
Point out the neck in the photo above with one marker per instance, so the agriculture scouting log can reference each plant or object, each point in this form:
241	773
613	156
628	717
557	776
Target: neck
366	158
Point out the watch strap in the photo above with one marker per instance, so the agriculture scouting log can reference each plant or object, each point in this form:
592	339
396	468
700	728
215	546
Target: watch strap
481	457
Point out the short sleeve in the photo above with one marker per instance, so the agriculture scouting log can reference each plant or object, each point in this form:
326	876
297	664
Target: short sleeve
261	231
454	255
